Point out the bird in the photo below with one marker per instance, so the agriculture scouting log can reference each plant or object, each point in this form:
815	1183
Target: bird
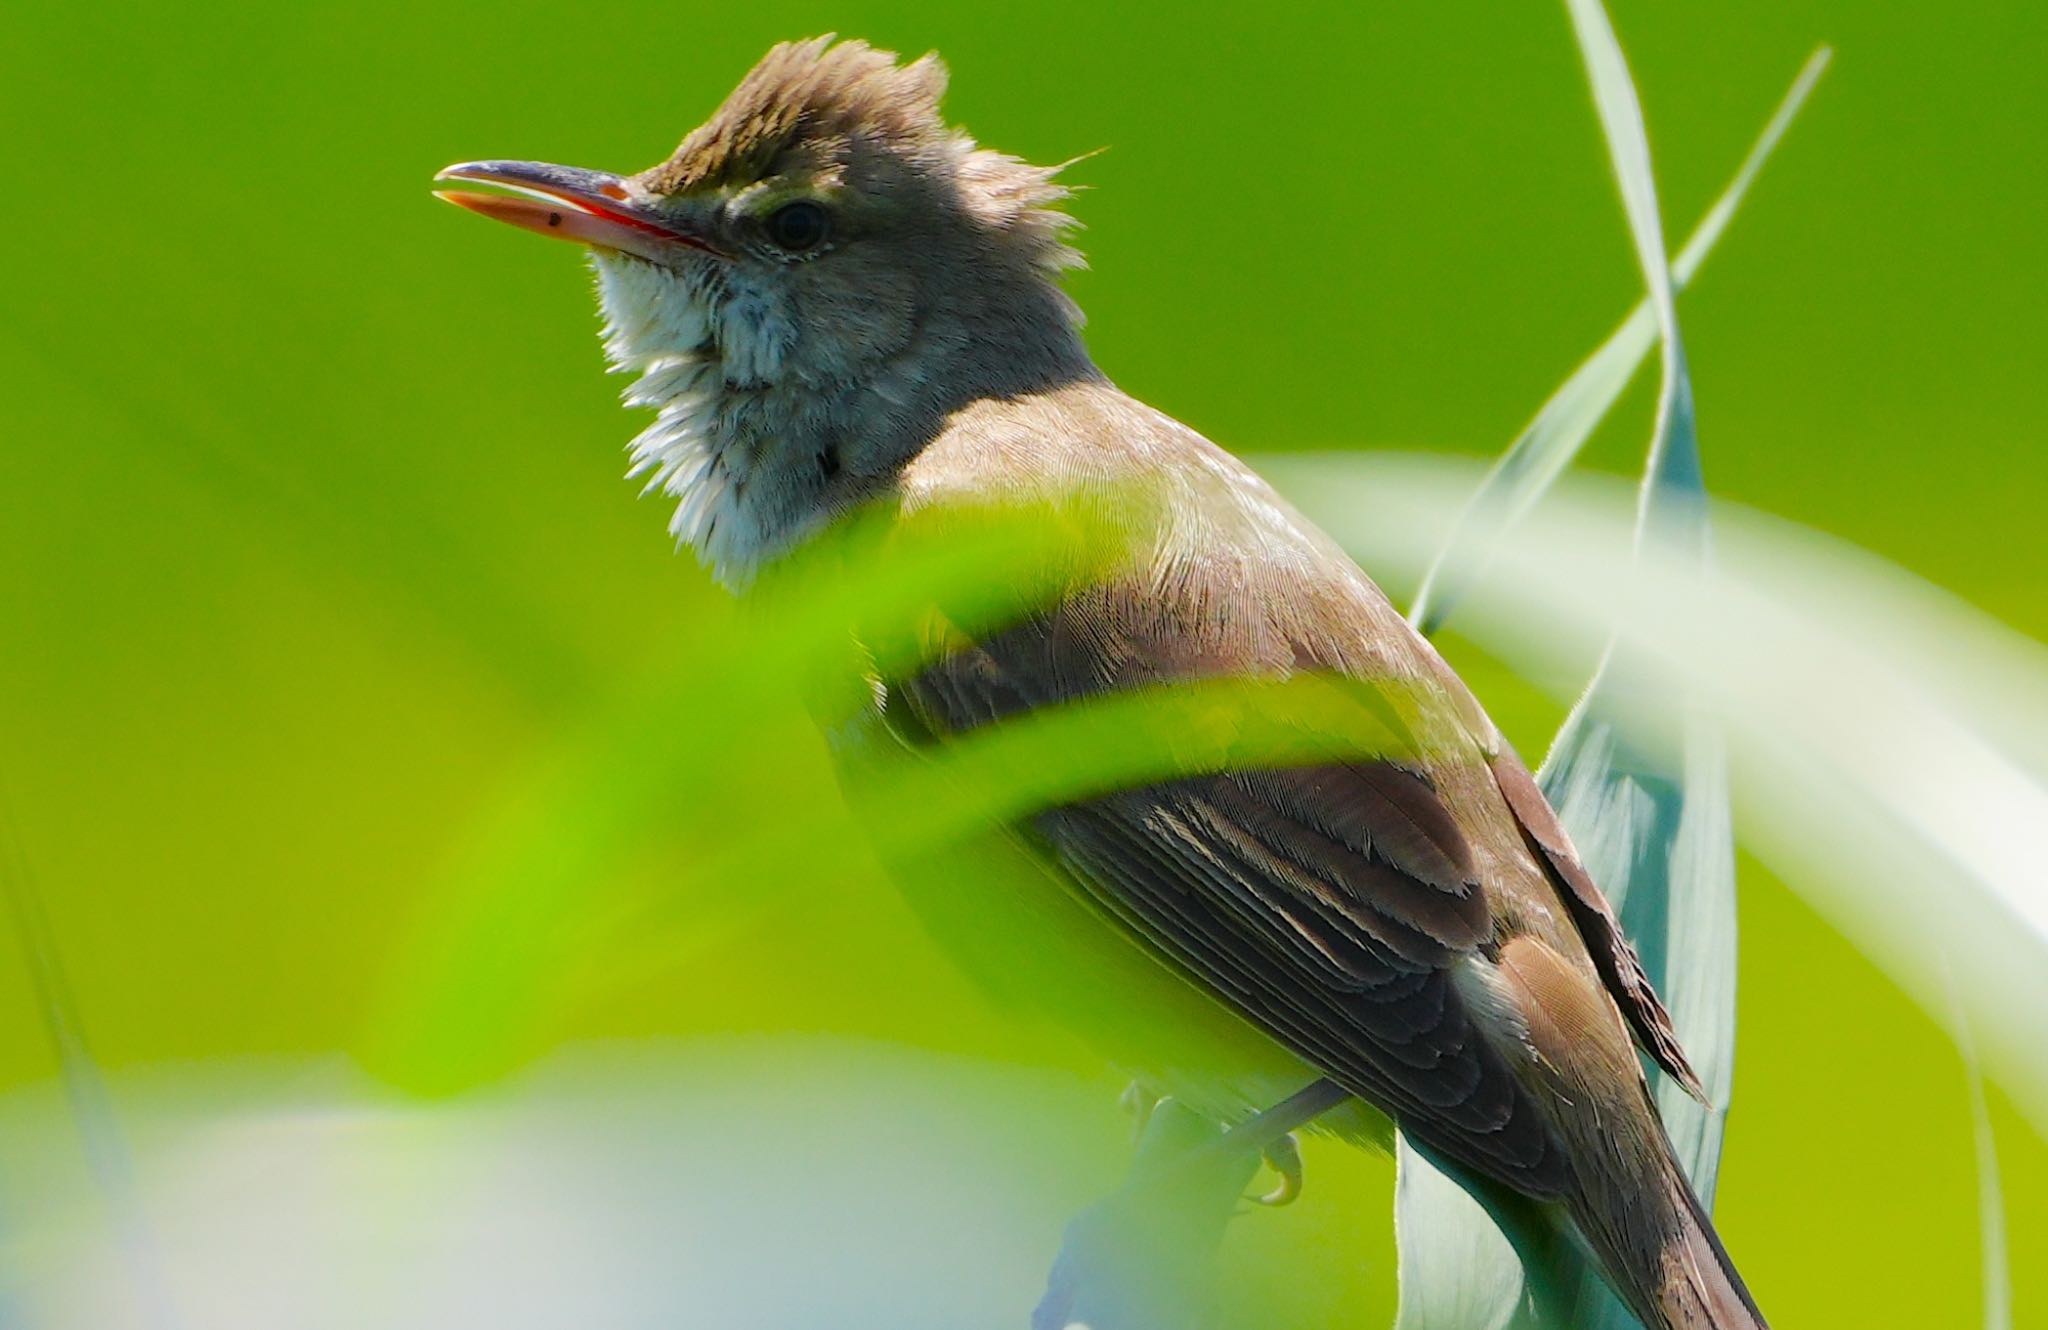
835	301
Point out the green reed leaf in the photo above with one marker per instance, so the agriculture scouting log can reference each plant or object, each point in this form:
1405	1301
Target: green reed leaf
1561	426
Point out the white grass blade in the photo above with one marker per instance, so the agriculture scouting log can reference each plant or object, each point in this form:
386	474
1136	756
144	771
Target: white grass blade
1995	1278
1547	445
1708	233
1672	495
91	1107
1658	835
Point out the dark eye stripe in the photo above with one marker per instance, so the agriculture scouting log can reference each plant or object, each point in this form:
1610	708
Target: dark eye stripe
799	226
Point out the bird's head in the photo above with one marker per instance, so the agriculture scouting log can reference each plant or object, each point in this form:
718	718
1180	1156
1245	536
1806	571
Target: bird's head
816	276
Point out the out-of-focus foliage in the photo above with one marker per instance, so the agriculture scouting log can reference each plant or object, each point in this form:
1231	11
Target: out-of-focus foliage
320	575
521	910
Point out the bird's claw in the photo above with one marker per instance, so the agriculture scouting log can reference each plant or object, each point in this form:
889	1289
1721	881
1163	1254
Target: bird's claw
1283	1155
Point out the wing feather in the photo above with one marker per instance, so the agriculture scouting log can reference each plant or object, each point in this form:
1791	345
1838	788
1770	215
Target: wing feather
1326	904
1621	969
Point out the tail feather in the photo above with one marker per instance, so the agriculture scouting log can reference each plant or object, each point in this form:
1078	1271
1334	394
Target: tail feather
1670	1268
1628	1197
1710	1277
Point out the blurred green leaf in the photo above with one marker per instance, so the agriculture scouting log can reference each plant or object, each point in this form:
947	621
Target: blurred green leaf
522	900
693	759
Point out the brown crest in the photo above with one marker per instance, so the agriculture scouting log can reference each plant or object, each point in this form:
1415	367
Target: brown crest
822	94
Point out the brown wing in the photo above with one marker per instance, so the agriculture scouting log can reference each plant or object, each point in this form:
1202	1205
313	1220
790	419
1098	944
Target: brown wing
1613	956
1326	904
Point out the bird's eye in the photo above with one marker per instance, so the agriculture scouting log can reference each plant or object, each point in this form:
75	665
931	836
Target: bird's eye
800	226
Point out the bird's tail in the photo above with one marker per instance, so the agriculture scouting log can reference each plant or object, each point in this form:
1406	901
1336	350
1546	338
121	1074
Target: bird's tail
1672	1270
1627	1196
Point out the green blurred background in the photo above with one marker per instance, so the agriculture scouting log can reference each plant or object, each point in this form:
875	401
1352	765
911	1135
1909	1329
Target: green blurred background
315	543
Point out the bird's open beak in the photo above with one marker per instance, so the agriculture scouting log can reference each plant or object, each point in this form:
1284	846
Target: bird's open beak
589	207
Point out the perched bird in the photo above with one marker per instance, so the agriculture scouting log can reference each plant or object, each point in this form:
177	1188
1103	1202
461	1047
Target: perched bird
833	300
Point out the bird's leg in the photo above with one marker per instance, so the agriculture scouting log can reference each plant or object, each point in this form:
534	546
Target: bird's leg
1283	1155
1271	1133
1262	1129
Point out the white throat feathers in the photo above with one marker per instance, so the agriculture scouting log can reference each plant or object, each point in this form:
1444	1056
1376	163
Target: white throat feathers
707	359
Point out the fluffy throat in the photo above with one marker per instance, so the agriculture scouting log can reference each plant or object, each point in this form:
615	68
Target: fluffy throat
662	326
